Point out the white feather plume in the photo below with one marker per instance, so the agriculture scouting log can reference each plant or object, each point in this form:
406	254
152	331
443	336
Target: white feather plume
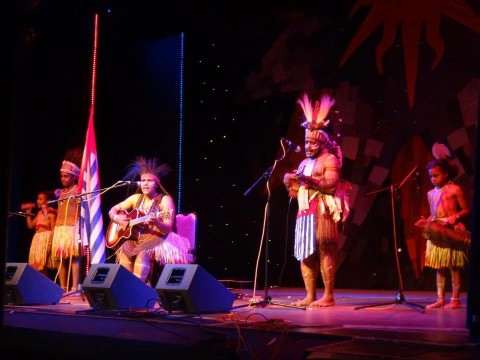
307	107
441	152
326	103
316	114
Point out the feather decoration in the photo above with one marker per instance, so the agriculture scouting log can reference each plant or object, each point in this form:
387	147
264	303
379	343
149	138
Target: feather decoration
306	105
315	116
321	111
441	152
74	156
142	165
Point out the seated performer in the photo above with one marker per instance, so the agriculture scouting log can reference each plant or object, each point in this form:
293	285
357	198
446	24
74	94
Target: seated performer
144	222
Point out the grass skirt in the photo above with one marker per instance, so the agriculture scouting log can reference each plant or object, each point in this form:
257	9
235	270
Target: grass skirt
438	257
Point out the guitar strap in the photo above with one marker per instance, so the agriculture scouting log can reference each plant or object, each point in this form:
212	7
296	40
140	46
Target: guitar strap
155	203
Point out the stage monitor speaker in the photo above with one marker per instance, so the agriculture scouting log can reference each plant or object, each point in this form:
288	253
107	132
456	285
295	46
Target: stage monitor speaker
26	286
189	288
112	286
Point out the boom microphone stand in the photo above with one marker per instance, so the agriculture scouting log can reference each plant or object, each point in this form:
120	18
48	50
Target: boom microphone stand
399	298
266	175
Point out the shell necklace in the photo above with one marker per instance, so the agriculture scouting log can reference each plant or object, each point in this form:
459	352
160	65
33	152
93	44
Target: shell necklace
437	196
146	208
66	192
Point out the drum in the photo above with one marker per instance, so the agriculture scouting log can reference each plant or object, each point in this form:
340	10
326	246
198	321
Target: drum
444	236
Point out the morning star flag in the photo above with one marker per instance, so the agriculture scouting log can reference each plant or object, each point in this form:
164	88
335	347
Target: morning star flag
91	221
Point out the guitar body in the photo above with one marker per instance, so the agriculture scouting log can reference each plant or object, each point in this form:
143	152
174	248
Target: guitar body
117	234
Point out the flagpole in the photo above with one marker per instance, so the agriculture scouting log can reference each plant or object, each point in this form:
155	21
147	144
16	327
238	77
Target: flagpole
92	112
93	238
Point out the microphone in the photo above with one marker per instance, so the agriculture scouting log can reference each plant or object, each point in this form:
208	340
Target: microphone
125	182
292	146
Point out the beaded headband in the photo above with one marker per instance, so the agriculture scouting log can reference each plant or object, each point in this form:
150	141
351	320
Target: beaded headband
70	168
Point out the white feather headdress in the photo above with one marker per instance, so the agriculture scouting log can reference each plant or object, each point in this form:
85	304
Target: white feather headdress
316	116
441	152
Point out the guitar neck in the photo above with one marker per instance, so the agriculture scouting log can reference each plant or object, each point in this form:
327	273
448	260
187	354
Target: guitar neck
141	219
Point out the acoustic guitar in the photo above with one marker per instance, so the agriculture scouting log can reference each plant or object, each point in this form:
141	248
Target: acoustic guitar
117	234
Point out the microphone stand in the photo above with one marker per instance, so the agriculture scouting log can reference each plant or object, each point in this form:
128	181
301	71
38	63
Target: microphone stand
266	175
78	198
399	298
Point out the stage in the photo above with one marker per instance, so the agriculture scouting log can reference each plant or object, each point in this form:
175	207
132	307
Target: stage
251	329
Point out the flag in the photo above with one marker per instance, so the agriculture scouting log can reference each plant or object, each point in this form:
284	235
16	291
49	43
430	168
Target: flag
91	220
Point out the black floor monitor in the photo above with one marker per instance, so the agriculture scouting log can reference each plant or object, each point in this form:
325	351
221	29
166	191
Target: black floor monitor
112	286
26	286
191	289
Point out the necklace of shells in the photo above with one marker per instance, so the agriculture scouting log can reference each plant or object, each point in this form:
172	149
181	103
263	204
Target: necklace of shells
146	208
66	192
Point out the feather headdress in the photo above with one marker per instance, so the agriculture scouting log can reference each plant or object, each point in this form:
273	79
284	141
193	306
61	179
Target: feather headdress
441	152
316	116
142	165
444	159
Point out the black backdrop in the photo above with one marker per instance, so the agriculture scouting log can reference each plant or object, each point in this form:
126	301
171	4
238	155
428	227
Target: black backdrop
228	143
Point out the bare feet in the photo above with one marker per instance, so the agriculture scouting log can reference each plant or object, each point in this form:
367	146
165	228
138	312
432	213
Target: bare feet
437	304
323	302
304	302
453	304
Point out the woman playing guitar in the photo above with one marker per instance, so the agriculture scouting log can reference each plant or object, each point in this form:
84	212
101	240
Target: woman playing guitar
138	249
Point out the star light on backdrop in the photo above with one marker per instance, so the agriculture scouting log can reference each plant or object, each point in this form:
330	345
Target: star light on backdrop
223	178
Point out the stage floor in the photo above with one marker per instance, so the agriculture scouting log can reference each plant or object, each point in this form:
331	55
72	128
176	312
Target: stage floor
364	324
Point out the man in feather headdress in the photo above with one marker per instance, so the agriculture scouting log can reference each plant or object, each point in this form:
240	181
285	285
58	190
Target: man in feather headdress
320	204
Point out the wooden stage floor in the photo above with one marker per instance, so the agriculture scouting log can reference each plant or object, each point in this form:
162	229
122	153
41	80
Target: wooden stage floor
251	329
